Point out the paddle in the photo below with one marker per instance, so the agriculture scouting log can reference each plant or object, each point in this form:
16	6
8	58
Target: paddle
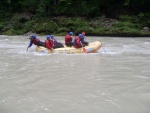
103	48
27	49
29	38
81	43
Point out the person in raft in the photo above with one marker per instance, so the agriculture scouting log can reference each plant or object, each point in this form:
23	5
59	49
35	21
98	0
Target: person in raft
83	41
68	39
56	43
34	40
49	43
77	41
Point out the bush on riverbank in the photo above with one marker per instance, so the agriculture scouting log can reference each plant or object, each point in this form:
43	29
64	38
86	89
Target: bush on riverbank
125	25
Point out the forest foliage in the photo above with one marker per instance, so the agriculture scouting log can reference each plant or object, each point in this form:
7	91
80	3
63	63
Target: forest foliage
32	12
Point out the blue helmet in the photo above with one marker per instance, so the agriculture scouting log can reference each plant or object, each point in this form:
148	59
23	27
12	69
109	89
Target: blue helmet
80	35
48	36
70	33
33	36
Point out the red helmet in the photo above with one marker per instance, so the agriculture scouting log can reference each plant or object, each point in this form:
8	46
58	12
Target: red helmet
83	33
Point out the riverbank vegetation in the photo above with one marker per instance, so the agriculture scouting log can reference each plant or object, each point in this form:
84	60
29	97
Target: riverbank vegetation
96	17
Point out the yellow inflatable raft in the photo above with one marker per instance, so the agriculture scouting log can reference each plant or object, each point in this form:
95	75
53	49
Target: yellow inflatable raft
91	48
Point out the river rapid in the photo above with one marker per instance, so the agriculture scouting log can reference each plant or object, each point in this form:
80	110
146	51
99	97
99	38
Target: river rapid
114	80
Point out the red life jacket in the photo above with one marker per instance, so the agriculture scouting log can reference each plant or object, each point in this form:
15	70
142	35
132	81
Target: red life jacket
36	41
77	43
49	43
68	38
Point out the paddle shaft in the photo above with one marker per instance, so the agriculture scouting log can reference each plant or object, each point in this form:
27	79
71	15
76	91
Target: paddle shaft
27	49
103	48
81	43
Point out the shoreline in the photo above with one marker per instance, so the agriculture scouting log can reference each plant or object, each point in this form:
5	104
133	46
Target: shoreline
110	36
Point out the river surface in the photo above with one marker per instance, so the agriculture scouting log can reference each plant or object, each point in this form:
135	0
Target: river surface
114	80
